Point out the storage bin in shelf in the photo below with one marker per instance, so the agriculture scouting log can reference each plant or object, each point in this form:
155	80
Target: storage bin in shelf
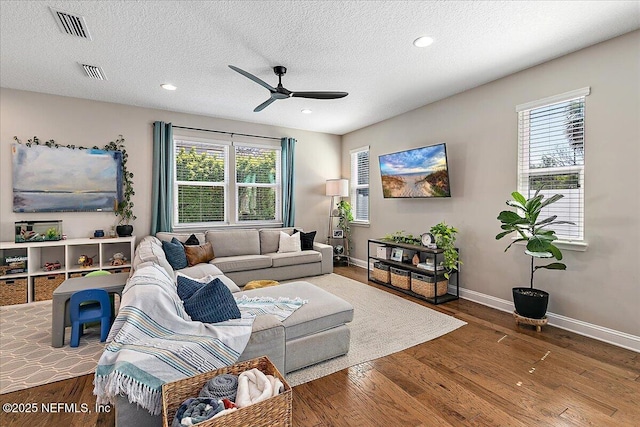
381	272
400	278
275	411
13	291
43	286
424	285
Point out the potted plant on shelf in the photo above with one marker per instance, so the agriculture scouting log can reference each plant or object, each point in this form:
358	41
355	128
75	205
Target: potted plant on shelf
530	302
445	237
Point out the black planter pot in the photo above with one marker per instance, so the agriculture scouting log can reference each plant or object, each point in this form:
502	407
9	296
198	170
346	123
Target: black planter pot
531	303
124	230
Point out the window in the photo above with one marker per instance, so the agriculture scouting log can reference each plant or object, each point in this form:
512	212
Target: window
551	157
217	183
360	184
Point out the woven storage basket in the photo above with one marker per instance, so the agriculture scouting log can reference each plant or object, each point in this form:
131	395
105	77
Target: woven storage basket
13	291
423	284
45	285
275	411
381	272
400	278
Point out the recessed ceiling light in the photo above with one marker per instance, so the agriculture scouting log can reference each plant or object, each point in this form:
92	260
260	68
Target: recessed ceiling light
168	86
423	41
306	111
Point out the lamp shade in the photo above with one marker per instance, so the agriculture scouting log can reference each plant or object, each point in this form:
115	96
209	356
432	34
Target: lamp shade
338	187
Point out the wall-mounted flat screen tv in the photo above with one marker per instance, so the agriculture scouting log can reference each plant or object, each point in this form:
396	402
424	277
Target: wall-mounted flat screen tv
416	173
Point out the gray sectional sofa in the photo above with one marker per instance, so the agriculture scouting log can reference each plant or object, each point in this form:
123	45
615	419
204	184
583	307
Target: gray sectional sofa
315	332
252	254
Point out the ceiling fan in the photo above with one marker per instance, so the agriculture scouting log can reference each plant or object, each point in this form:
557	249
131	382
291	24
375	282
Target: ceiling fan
280	92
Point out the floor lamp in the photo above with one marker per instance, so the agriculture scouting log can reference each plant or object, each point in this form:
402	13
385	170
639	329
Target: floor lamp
335	188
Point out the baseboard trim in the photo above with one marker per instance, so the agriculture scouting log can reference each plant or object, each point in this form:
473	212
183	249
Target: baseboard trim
611	336
600	333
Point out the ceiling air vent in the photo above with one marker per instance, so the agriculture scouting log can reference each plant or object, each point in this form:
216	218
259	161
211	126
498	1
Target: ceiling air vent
68	23
94	72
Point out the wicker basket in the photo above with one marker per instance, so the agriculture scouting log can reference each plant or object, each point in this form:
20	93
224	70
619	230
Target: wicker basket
400	278
423	284
13	291
275	411
45	285
381	272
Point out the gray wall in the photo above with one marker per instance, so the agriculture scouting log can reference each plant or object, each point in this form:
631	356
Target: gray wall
89	123
601	285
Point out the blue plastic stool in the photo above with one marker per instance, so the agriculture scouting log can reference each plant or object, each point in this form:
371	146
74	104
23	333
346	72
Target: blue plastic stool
89	313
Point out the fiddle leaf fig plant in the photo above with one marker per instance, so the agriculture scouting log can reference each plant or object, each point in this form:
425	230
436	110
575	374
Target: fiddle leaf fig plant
532	230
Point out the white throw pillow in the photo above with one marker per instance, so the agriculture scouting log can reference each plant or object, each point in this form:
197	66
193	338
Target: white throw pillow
289	243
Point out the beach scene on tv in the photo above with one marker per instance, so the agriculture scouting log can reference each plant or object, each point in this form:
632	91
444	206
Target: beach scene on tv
421	172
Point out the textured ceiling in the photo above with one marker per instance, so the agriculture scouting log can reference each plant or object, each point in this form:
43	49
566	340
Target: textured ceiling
361	47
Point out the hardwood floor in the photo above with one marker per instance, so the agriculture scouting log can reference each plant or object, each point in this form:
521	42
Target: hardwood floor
487	373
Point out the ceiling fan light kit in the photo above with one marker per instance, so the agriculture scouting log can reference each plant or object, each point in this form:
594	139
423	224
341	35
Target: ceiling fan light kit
280	92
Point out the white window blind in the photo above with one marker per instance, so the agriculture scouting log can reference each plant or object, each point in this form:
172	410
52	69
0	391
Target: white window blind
258	195
360	184
551	150
200	185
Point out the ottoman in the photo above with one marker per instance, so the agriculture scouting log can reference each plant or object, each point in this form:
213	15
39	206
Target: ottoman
315	332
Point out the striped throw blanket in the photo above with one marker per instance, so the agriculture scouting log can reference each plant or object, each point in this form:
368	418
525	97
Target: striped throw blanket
154	341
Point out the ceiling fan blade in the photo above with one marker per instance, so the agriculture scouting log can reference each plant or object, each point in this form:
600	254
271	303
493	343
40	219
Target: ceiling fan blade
319	95
254	78
264	105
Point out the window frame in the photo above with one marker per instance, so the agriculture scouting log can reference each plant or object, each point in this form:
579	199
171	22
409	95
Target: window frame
354	186
230	186
525	172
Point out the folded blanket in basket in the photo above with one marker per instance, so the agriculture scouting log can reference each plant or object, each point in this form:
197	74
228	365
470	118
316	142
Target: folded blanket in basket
254	386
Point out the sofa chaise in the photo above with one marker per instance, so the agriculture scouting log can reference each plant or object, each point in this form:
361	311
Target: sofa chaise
315	332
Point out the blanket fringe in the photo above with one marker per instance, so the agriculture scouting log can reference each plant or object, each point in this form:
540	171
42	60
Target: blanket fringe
286	300
107	387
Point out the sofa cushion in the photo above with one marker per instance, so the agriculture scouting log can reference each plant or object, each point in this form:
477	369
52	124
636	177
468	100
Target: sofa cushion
234	242
174	252
323	311
294	258
289	243
270	239
306	239
183	237
150	250
241	263
212	303
198	254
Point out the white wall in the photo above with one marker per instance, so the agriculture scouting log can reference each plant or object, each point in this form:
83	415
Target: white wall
601	285
88	123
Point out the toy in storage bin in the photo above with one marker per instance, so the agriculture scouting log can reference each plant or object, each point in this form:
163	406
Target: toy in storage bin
38	231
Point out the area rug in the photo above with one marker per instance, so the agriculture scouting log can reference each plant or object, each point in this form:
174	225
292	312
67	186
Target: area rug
383	324
26	356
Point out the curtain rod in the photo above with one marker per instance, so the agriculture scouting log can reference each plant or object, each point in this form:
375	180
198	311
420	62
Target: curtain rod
227	133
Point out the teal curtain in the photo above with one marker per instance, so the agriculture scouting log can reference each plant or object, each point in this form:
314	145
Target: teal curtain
288	176
162	185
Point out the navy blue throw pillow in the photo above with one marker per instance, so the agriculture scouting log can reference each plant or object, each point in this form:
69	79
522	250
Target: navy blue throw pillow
212	303
192	241
186	287
174	251
306	239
